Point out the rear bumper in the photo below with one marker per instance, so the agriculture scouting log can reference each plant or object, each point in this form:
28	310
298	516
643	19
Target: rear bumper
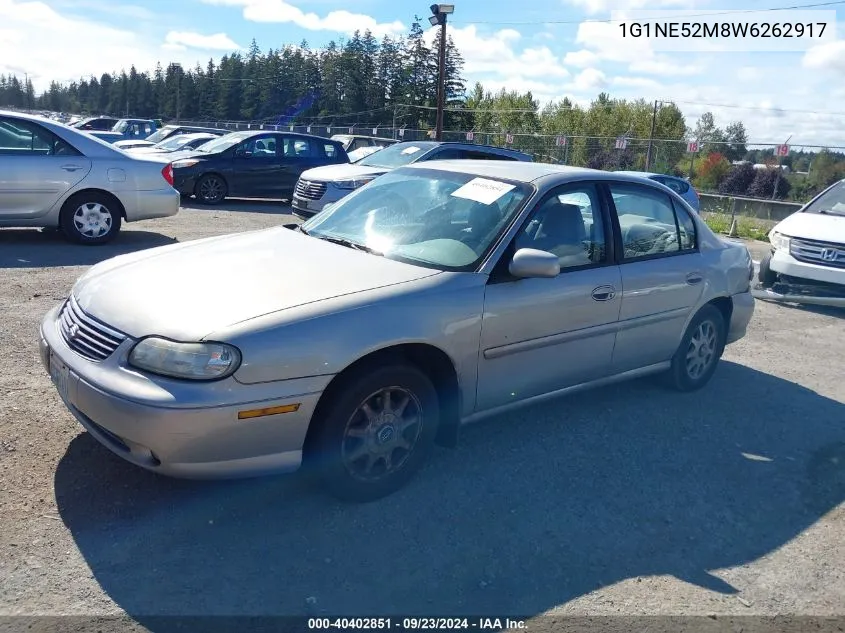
743	310
161	203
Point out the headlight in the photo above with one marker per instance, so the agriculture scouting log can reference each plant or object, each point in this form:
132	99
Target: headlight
779	241
352	184
188	162
194	361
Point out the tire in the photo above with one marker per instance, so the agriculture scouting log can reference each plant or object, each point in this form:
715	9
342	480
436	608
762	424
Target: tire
688	372
90	218
211	189
766	275
352	450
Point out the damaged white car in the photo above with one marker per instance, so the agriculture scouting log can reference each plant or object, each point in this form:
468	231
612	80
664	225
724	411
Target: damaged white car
807	262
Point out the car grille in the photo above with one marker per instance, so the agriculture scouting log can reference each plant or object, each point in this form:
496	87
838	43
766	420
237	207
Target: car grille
310	190
85	335
820	253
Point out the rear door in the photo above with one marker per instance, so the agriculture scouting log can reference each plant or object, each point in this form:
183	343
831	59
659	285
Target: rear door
662	274
37	168
302	153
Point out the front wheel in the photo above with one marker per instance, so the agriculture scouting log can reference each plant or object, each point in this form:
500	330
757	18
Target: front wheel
695	361
376	433
90	218
766	275
211	189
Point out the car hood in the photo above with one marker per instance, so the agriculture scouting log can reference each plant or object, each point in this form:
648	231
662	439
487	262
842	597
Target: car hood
814	226
346	171
187	291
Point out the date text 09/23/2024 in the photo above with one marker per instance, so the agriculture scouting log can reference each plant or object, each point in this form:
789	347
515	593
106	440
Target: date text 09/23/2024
416	624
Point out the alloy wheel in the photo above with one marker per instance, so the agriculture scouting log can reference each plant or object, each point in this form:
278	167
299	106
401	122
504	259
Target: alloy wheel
702	350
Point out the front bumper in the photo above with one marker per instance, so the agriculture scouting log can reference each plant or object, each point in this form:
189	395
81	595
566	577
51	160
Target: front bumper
785	264
175	429
305	207
185	184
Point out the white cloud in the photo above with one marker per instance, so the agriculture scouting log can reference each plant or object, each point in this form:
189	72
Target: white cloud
830	56
180	40
37	40
592	7
582	58
636	82
495	54
339	21
589	79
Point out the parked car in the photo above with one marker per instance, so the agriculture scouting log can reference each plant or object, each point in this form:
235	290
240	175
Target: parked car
256	164
100	123
357	364
807	259
352	142
127	129
177	143
680	186
324	185
166	132
68	179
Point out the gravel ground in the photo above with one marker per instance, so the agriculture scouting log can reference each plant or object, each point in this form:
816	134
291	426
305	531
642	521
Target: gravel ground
628	500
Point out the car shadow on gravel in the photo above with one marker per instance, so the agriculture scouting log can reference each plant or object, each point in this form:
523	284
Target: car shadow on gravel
33	248
531	511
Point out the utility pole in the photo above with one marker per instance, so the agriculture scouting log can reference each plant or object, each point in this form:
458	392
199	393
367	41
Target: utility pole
439	13
651	137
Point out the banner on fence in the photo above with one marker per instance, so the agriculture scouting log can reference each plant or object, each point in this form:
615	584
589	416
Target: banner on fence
509	138
561	141
621	143
782	150
692	147
470	136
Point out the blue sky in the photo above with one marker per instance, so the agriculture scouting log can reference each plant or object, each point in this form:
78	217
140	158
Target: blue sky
505	44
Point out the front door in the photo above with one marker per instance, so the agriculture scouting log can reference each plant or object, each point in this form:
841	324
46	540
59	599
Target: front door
541	335
256	167
662	275
36	169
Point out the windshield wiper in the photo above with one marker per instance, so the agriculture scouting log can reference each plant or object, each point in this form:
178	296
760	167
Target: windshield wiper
829	212
348	243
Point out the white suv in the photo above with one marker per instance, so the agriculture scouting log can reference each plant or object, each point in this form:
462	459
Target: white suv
808	250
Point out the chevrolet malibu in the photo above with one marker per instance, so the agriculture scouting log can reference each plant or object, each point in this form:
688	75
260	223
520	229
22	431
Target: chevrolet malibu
236	355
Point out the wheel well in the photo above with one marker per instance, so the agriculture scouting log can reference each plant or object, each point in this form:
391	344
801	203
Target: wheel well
725	305
102	192
432	361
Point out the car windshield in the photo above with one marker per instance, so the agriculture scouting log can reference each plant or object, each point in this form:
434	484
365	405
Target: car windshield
438	219
155	137
174	142
222	144
397	155
832	202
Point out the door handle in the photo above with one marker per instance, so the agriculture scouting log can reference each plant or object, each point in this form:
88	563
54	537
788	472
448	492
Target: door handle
604	293
694	278
71	167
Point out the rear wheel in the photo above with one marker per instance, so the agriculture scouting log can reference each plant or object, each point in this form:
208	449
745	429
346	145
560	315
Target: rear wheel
695	361
211	189
90	218
375	433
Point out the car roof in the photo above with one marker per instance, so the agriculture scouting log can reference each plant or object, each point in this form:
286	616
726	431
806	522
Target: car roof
647	174
530	172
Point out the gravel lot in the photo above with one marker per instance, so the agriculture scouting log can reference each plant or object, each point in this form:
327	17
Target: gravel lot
625	500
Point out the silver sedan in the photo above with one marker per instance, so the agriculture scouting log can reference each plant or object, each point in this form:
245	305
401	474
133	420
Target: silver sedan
52	175
435	295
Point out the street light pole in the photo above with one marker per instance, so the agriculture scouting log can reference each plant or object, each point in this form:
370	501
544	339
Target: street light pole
439	13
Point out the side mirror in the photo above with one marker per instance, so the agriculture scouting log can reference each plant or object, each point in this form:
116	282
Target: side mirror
530	262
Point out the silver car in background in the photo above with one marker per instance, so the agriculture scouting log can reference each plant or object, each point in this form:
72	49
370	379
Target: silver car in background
437	294
52	175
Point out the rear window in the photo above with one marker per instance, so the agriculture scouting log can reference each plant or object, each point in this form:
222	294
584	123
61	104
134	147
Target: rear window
678	186
330	150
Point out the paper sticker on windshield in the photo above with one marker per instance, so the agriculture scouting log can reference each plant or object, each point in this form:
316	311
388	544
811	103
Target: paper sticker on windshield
411	150
483	190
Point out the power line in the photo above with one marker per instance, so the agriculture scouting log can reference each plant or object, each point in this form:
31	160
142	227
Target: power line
668	17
